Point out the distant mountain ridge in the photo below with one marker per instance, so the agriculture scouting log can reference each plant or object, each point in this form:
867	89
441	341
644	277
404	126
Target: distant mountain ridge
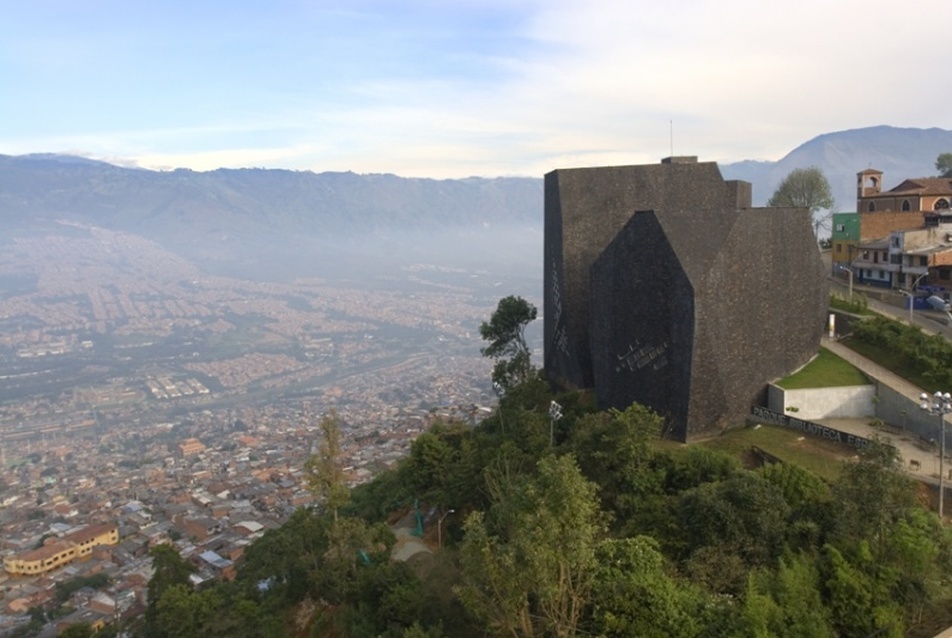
254	216
245	199
898	152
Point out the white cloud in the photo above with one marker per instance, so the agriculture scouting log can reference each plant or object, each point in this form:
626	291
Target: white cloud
589	82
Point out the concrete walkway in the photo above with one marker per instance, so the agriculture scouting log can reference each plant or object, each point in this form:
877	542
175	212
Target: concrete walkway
407	545
919	458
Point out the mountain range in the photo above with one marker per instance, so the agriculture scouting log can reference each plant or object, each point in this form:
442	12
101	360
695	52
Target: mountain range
899	152
270	221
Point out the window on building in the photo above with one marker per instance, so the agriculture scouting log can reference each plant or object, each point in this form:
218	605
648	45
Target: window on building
841	228
895	259
905	205
871	207
944	273
895	241
942	204
839	248
923	261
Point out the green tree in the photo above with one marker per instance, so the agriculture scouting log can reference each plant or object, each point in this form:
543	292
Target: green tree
531	573
805	188
633	594
185	613
616	450
287	556
858	606
787	601
745	514
506	333
800	487
428	468
325	469
871	496
352	545
77	630
943	164
169	570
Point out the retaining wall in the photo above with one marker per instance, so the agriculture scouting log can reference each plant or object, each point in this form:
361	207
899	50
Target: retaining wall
845	402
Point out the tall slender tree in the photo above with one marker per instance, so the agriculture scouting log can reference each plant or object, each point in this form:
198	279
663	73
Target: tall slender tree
325	468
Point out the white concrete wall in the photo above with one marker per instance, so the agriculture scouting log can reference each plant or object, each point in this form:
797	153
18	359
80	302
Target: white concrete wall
846	402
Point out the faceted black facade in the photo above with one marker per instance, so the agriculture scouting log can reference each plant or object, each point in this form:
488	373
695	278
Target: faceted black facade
688	307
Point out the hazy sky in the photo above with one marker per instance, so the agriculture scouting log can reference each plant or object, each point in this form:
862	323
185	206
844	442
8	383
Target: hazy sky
453	88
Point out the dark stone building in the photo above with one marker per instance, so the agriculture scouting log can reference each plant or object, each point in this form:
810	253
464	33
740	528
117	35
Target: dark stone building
688	307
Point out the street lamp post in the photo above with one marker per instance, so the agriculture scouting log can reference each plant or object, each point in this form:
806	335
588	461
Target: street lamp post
555	413
939	404
500	392
849	271
912	293
439	528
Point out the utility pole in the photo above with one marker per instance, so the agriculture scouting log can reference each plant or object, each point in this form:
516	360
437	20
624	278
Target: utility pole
939	404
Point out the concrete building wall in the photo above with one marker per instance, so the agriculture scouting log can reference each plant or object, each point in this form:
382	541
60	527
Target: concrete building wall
848	402
896	409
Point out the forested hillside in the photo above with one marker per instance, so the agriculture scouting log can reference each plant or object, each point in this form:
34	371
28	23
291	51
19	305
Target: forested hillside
606	531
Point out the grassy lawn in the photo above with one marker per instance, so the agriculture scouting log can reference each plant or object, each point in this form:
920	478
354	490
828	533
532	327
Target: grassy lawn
825	371
814	454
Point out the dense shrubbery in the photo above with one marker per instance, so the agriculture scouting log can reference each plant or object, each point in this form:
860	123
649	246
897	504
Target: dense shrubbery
926	358
858	304
605	533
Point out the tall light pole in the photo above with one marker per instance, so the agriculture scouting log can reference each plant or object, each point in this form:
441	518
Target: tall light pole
439	529
912	293
940	404
555	413
500	392
849	271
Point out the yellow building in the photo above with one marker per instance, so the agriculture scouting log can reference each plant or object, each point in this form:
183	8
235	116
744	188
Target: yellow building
61	551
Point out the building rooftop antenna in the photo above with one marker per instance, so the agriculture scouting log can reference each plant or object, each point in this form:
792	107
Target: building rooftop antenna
671	135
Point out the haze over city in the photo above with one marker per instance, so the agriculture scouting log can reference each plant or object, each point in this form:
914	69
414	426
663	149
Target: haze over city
450	90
